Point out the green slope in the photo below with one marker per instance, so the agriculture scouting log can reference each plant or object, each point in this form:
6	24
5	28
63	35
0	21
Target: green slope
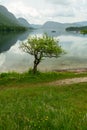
8	21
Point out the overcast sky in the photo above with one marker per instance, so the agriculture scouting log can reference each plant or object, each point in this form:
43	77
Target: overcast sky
40	11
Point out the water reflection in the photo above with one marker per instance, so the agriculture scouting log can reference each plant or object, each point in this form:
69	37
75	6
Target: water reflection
75	46
13	59
9	39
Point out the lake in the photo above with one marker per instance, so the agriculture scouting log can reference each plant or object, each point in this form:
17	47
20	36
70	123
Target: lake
13	59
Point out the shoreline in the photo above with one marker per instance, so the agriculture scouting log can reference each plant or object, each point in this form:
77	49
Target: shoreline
77	70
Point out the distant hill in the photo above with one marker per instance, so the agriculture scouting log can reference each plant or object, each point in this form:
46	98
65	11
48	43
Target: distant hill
80	27
83	23
52	25
55	25
7	18
62	26
8	22
24	22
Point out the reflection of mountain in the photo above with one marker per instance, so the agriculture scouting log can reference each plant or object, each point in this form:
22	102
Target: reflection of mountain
9	39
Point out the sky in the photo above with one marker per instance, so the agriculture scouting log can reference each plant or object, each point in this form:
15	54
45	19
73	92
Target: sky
40	11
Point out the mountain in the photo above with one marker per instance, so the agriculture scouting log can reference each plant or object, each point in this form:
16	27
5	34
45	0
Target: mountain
51	25
7	18
8	22
82	23
24	22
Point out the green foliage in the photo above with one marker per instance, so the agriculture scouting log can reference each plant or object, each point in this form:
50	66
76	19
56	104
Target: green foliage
76	28
40	47
46	46
83	31
6	21
10	28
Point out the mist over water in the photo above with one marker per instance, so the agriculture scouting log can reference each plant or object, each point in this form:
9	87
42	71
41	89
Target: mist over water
13	59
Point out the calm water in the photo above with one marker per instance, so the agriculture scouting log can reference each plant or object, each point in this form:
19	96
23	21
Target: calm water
13	59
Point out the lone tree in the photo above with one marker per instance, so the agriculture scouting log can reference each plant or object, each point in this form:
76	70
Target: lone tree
40	47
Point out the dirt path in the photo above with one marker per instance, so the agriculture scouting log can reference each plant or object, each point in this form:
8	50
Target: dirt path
68	81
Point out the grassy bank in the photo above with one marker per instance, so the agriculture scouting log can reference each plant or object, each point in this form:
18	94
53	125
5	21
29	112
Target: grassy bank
7	79
42	107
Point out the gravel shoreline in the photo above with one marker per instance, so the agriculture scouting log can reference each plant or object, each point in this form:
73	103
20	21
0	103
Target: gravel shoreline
77	70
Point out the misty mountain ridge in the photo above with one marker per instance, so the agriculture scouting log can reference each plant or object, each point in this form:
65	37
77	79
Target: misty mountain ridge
24	22
82	23
62	26
9	19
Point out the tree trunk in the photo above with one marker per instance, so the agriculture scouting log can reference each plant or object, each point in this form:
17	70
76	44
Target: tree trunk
35	68
36	62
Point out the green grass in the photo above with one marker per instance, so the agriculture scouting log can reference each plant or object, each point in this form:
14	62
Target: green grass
42	107
7	79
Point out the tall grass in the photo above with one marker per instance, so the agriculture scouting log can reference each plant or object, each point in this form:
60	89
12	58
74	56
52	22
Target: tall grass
40	77
44	108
